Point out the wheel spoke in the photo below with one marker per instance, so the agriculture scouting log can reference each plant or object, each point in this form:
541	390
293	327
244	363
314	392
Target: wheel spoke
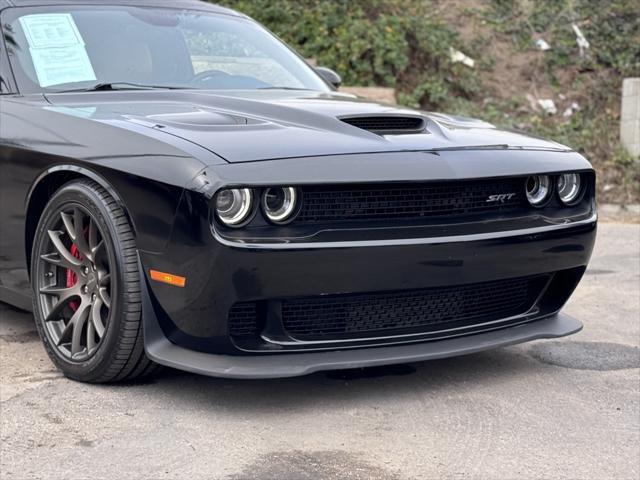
105	297
52	258
98	252
60	292
91	333
96	243
68	328
105	280
77	232
96	318
65	259
93	235
79	318
65	295
69	226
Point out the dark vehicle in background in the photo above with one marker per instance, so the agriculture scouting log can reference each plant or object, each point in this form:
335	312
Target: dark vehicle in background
178	187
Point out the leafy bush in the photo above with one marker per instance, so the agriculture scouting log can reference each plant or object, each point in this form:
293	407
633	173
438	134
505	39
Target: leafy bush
612	28
593	79
392	43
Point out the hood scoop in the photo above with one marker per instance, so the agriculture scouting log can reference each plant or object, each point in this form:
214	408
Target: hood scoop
388	124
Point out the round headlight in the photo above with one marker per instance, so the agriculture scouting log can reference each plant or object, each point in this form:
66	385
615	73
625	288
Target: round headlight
280	203
569	188
538	189
233	206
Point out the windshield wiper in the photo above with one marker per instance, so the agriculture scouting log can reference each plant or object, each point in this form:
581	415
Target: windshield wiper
105	87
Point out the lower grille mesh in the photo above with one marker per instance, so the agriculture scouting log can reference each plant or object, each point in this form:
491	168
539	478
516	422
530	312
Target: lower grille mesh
409	310
242	319
428	310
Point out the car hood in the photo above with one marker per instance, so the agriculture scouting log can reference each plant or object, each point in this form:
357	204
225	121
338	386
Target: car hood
245	126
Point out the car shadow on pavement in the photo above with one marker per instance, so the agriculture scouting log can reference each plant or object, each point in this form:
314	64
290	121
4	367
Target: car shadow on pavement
377	384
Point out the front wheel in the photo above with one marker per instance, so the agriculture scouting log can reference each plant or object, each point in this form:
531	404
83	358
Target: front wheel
86	287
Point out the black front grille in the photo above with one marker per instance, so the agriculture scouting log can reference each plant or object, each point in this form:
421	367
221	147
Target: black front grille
415	311
242	319
390	124
410	201
353	314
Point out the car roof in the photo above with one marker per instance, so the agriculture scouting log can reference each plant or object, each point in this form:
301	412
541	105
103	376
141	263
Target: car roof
193	4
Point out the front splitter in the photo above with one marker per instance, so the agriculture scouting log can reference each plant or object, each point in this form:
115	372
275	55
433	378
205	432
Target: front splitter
162	351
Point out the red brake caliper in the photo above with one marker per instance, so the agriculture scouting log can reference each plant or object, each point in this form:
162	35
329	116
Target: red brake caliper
72	278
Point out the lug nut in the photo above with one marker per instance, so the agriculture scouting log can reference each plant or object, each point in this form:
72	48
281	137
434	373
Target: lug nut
93	297
85	289
85	270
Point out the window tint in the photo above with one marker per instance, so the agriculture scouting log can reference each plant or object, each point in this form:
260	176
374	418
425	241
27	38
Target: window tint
234	55
61	48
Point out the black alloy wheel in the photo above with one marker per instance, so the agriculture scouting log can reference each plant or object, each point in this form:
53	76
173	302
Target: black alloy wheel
86	284
75	284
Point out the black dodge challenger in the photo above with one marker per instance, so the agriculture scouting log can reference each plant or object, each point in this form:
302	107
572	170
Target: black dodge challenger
178	187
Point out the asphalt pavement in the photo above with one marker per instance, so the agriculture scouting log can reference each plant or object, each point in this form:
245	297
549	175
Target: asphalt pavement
549	409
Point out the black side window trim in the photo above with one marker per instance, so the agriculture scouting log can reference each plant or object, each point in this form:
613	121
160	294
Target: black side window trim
7	85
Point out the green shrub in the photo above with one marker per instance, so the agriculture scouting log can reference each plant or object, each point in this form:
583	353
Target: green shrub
391	43
612	27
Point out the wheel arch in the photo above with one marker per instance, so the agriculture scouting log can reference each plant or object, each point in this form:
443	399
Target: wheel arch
45	186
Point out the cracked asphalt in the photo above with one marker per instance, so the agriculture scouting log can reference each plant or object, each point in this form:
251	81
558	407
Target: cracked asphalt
550	409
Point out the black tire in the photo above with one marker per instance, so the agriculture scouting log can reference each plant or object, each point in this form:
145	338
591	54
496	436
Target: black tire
102	293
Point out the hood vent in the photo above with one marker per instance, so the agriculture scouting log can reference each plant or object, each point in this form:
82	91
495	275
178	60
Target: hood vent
387	124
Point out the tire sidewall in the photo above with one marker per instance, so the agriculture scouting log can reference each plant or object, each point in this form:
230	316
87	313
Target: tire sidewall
83	195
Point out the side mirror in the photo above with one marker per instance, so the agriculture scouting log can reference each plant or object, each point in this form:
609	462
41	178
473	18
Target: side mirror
330	76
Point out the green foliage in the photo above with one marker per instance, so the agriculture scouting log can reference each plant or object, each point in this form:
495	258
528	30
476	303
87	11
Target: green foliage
611	26
391	43
405	44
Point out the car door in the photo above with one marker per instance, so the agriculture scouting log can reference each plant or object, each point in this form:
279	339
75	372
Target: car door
14	279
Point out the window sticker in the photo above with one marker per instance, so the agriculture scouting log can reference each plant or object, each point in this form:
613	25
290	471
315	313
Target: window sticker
57	49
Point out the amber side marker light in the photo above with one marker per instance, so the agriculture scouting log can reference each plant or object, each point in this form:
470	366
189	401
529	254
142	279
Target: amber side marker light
175	280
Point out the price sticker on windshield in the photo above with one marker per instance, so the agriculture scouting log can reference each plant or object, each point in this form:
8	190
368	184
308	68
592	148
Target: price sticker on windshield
53	30
57	49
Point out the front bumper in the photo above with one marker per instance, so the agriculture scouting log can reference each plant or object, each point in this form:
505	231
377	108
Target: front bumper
189	327
162	351
219	276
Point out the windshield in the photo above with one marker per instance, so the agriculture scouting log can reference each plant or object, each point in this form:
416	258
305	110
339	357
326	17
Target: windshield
54	49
